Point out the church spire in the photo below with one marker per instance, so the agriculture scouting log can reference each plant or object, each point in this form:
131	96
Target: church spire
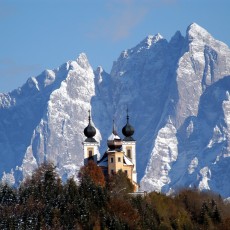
127	115
89	116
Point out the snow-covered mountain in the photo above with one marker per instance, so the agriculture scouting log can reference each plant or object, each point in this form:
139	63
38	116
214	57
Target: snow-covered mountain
178	97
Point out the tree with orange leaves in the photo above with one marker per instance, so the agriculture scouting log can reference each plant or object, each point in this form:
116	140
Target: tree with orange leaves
94	172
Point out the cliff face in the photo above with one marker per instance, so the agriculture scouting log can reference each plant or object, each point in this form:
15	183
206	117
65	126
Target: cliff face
178	97
197	109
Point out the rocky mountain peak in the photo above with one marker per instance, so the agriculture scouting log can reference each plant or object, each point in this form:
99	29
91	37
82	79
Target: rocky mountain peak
82	61
152	39
176	94
198	33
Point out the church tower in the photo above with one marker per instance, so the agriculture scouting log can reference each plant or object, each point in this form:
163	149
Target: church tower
116	158
129	145
90	145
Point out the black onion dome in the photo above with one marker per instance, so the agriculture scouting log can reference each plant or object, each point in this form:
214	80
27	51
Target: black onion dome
128	129
90	131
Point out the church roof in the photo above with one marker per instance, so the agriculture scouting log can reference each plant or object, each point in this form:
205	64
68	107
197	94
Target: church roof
127	161
113	137
103	161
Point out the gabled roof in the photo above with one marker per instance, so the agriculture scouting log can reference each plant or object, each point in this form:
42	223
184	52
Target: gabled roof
127	161
103	161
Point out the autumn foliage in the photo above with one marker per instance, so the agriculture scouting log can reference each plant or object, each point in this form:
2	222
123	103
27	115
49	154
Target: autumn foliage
94	172
45	202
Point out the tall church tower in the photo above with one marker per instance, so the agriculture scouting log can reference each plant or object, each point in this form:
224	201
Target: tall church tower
90	145
129	145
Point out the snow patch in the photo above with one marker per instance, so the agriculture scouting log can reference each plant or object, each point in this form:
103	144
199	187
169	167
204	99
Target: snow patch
8	178
205	174
192	166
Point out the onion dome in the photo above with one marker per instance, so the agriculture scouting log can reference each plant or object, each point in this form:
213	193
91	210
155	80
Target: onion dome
90	131
128	130
114	141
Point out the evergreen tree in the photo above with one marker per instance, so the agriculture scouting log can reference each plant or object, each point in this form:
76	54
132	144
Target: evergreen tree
8	195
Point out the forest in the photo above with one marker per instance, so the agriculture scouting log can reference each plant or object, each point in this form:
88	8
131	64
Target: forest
43	201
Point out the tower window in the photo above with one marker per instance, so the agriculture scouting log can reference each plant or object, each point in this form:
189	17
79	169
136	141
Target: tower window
126	172
112	171
119	159
90	153
129	153
111	159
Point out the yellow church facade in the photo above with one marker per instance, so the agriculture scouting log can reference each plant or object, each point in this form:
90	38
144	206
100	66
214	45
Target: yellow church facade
120	155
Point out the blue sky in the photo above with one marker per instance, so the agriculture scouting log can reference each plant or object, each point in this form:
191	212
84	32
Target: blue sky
43	34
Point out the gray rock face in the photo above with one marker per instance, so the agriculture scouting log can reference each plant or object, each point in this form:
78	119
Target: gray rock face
202	68
177	93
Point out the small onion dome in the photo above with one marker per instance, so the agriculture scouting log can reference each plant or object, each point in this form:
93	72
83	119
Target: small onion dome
90	131
114	141
128	129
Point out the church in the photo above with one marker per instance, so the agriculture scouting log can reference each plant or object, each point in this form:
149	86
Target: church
120	154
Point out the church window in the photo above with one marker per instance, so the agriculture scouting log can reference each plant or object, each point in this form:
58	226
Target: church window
129	154
119	159
90	153
111	159
126	172
112	171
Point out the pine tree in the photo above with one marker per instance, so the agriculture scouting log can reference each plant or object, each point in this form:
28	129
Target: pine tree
8	195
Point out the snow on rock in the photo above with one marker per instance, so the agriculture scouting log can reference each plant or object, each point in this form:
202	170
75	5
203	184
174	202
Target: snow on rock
8	178
177	93
204	61
189	129
205	174
193	165
164	154
217	137
57	136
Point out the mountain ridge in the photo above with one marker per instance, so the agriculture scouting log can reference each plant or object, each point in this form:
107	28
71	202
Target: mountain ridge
164	84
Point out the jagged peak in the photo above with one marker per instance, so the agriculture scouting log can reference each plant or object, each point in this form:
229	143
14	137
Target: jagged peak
194	30
194	26
177	39
82	61
152	39
147	43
